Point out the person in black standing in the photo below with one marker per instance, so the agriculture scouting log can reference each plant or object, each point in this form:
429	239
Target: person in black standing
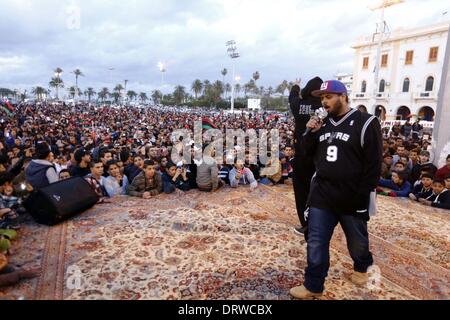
303	106
347	150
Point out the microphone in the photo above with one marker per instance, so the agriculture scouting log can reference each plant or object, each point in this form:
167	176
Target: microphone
321	114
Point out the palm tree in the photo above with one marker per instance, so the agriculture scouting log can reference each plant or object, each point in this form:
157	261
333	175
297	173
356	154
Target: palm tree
131	95
58	72
237	88
77	73
89	93
206	87
261	90
283	87
72	92
218	89
224	73
227	89
56	82
39	92
179	94
156	96
103	94
143	97
116	96
197	87
256	76
270	91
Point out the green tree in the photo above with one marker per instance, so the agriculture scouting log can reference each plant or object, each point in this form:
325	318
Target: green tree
56	82
224	73
72	91
39	93
103	94
143	97
116	96
157	96
131	95
197	88
89	93
179	94
77	73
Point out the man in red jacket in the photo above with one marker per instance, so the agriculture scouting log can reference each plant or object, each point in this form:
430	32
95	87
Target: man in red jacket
444	172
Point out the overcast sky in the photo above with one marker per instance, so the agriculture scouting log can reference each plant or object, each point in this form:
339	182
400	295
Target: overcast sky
282	39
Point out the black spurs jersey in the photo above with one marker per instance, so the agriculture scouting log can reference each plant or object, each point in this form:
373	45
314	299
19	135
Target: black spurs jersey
347	156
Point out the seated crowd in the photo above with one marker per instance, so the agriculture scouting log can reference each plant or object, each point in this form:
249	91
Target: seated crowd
407	172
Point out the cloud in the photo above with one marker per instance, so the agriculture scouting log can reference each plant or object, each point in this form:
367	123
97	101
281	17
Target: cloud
284	39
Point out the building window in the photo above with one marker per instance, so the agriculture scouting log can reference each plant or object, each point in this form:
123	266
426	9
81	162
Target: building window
409	57
363	87
406	85
430	84
382	86
433	54
366	63
384	60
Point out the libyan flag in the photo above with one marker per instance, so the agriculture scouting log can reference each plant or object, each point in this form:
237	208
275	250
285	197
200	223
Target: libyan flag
7	107
208	124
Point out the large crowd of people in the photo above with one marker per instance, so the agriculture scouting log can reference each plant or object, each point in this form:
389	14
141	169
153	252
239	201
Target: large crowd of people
127	151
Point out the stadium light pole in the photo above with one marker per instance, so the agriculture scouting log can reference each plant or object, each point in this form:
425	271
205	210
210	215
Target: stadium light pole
233	54
380	6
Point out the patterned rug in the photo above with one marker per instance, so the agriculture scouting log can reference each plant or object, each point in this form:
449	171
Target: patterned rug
232	244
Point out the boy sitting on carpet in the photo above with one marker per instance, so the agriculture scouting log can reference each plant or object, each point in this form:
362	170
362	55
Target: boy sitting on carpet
441	196
423	190
240	175
175	178
399	185
147	184
8	203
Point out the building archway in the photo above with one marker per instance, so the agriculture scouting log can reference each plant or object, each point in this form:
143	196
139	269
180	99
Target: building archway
426	114
362	108
403	113
380	112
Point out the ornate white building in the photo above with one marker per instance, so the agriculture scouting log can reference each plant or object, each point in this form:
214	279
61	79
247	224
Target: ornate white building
409	74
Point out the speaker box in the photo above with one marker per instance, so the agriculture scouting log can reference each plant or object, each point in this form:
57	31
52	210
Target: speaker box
61	201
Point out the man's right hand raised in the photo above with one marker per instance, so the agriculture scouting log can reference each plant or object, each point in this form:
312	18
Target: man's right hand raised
314	124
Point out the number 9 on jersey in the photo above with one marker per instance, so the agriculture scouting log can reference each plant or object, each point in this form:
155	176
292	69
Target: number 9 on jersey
332	154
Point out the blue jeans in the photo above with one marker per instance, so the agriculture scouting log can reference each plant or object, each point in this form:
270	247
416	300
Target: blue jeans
321	224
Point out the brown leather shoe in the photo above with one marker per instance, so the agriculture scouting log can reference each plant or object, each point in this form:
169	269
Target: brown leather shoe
304	294
360	279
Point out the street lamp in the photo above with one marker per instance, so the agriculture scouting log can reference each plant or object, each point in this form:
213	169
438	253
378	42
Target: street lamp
233	54
162	69
382	31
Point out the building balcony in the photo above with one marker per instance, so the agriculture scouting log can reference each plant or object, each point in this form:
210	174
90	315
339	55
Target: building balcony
382	96
429	95
360	96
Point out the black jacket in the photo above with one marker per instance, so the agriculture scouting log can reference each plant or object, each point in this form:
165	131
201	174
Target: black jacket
302	108
442	201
